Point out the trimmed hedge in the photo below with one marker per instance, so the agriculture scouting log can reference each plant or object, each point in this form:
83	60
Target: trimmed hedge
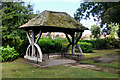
9	54
107	43
47	45
50	46
86	47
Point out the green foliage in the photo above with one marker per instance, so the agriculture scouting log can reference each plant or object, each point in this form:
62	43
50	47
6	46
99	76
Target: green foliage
23	47
112	42
9	54
100	10
89	41
46	44
106	43
95	30
106	12
13	15
113	29
86	47
118	32
101	44
12	43
50	46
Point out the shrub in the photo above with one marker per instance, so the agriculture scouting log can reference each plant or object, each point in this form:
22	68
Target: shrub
101	44
107	43
9	54
47	45
112	42
86	47
89	41
50	46
23	47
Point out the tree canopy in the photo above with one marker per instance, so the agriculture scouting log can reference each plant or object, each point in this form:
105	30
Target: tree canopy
106	12
113	29
95	30
14	14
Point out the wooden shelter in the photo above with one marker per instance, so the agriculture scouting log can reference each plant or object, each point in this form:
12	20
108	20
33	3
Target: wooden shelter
51	21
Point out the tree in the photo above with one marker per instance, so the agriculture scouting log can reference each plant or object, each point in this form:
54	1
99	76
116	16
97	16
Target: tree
113	29
13	15
95	30
107	12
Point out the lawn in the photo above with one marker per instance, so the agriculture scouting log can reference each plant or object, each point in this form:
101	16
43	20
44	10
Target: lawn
89	57
19	69
22	70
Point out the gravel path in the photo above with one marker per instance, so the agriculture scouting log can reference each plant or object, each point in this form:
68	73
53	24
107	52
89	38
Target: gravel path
54	62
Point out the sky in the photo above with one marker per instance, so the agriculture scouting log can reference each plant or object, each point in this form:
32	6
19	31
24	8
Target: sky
68	6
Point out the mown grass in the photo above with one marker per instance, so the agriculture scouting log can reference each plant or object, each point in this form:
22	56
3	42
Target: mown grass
89	57
112	64
22	70
101	53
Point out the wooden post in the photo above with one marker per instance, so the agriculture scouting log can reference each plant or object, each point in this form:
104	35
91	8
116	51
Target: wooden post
73	40
33	39
34	44
80	35
70	42
68	38
77	44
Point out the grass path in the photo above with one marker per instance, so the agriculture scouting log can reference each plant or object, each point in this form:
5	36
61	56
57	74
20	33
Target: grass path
90	57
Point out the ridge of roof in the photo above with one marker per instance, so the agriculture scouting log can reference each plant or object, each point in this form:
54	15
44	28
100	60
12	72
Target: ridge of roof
54	19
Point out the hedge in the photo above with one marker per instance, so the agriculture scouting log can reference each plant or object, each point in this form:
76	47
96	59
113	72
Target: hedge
50	46
107	43
47	45
86	47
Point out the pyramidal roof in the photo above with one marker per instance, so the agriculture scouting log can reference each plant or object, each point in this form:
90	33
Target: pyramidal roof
54	19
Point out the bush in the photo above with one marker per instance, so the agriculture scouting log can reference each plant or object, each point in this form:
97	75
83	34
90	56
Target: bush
47	45
9	54
23	47
112	42
107	43
89	41
50	46
86	47
100	44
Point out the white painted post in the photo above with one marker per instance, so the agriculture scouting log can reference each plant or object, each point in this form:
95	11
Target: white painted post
34	44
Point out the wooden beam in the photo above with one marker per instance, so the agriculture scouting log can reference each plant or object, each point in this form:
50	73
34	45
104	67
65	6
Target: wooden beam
33	44
40	33
28	37
80	35
68	38
79	49
68	47
73	40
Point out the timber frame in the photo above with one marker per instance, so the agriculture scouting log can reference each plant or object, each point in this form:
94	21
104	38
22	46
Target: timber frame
33	44
36	55
51	21
74	42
